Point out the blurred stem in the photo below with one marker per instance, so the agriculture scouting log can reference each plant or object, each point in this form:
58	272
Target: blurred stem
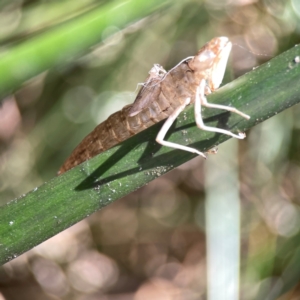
27	221
68	41
222	216
53	13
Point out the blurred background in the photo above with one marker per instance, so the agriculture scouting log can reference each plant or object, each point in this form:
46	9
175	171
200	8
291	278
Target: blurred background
156	242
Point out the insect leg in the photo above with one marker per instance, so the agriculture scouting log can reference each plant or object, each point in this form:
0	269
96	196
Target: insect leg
161	135
228	108
200	99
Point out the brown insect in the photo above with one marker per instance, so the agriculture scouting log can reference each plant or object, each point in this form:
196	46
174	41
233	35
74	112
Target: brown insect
164	95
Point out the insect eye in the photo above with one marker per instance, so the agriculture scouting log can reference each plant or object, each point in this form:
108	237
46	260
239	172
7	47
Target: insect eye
207	55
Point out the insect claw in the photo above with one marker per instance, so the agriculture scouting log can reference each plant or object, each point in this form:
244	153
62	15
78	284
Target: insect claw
242	135
201	154
247	117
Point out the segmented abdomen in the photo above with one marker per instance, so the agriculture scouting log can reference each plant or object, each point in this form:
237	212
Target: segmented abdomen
117	128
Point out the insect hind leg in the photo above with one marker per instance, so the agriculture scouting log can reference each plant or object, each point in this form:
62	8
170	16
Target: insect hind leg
162	133
201	99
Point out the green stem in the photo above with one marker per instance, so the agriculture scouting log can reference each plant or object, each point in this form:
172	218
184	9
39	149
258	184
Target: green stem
66	42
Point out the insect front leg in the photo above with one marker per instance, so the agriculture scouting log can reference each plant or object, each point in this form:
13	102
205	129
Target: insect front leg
228	108
162	133
201	99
